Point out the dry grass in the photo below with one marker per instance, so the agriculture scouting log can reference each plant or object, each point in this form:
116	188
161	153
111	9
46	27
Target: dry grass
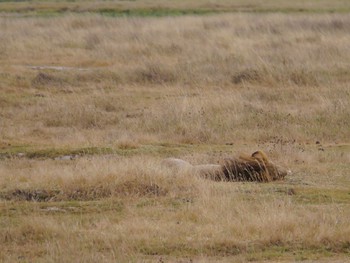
227	77
170	7
120	209
117	95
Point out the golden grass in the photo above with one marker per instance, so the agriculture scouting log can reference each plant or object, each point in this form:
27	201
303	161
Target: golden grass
123	208
119	94
170	7
205	79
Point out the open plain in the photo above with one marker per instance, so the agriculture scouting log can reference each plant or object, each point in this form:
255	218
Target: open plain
94	94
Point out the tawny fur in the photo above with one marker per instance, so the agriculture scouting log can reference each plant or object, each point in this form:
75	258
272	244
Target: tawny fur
176	164
256	167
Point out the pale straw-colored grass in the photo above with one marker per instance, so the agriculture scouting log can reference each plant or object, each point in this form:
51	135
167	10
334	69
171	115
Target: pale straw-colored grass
198	87
120	208
190	79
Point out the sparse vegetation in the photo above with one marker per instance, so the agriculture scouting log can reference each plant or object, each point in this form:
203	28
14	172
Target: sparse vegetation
94	96
169	8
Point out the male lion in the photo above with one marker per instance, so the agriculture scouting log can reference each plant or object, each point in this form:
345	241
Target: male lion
256	167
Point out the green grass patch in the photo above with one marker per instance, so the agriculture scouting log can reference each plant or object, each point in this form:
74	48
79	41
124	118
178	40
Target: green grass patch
22	208
161	149
252	251
321	196
298	253
9	150
54	153
155	12
51	153
166	8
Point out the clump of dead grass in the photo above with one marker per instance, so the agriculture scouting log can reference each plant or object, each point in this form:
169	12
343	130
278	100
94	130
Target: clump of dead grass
154	74
300	77
83	180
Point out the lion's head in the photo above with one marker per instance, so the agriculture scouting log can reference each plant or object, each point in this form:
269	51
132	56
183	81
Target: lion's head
256	167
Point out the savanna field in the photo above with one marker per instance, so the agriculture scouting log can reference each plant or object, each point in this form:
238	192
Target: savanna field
95	94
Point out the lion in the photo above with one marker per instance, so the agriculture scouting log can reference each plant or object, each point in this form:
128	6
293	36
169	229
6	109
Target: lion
254	168
179	165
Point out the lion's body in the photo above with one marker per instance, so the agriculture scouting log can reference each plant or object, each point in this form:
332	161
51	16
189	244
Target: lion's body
176	164
254	168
